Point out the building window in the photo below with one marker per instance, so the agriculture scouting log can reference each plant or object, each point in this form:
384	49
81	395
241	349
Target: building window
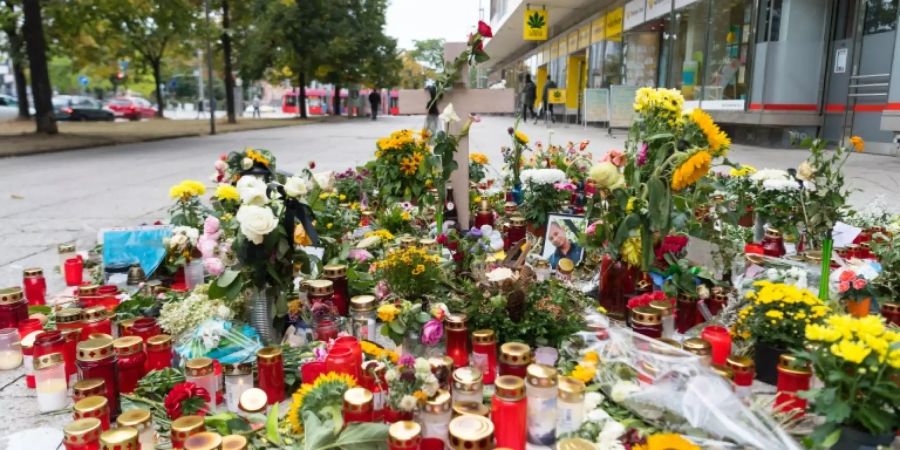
612	63
881	16
769	21
728	50
595	71
689	33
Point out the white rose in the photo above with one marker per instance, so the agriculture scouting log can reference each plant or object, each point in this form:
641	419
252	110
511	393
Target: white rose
246	163
390	375
295	187
256	222
592	400
252	191
325	180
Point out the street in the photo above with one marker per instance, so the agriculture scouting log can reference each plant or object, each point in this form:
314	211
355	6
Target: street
68	196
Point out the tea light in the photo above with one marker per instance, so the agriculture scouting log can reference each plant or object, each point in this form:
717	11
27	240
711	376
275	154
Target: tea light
204	440
253	401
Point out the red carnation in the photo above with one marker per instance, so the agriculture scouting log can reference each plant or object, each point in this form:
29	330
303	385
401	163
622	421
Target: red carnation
312	165
186	399
671	244
484	29
442	239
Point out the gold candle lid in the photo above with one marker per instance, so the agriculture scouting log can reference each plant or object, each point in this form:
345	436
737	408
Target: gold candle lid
470	408
91	405
541	376
697	346
455	321
740	364
160	342
134	418
407	241
467	379
358	399
11	295
234	442
565	266
510	206
484	337
253	400
723	371
405	434
88	290
334	271
773	233
268	355
646	316
82	431
100	336
439	404
96	349
510	387
33	272
662	307
427	242
790	364
574	444
515	354
47	361
199	367
69	315
891	307
468	432
571	389
88	387
237	369
541	264
128	345
94	314
204	440
320	287
484	205
125	326
187	425
517	221
362	303
65	248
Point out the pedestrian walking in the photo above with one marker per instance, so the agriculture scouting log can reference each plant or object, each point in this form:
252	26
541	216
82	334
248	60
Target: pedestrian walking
431	117
256	102
529	94
548	106
375	102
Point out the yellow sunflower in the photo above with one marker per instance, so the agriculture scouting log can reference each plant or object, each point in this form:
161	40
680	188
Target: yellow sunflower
717	139
408	166
325	384
691	170
667	441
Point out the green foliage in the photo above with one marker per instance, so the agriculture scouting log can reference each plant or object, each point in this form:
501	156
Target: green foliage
429	53
887	249
825	194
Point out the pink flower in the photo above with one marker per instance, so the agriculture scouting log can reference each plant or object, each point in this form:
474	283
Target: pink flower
475	118
859	283
565	187
214	266
432	332
844	286
614	156
592	228
359	255
206	246
847	275
381	290
642	154
407	360
211	225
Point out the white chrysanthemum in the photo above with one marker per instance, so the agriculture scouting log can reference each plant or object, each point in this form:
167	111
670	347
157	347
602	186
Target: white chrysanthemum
782	185
769	174
423	366
390	375
408	403
543	176
592	401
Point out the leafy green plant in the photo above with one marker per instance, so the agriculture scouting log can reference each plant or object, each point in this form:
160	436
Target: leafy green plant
825	194
887	250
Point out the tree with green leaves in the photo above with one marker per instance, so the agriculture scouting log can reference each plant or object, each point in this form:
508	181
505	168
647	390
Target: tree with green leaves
36	46
429	53
10	15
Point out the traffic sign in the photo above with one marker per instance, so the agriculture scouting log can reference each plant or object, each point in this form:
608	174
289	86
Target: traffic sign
83	80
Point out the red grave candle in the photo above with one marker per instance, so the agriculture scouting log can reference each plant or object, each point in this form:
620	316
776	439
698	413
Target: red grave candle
355	352
74	271
311	370
13	307
95	406
82	434
71	338
484	354
145	328
337	274
792	379
270	366
340	360
130	351
159	352
514	359
457	339
96	320
35	286
96	358
720	340
509	412
358	405
404	435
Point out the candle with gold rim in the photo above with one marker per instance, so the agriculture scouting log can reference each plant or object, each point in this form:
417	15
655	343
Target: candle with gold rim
96	406
141	420
358	405
201	372
122	438
204	440
468	432
435	417
184	427
541	388
404	435
82	434
468	385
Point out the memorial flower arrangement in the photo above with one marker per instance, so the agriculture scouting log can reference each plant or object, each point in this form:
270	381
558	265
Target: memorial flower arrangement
573	159
403	166
410	384
403	317
545	193
410	272
188	210
323	399
181	247
825	194
778	314
478	163
178	317
858	361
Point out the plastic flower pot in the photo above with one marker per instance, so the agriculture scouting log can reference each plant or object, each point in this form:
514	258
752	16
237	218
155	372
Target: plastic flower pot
859	308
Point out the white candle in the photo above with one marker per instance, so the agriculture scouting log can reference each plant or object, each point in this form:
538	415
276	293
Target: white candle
10	359
51	395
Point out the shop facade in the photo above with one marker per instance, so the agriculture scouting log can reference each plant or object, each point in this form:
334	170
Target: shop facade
763	68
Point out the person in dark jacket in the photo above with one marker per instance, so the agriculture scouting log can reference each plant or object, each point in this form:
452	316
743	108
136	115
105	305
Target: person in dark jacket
375	102
547	105
529	94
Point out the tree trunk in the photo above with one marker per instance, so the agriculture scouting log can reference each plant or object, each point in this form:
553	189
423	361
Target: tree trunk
18	61
157	79
36	46
336	101
301	101
226	50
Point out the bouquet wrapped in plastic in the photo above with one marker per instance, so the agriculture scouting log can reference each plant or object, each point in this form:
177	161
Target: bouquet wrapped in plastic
219	339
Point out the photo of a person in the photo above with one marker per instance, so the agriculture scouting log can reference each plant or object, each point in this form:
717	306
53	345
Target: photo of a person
560	239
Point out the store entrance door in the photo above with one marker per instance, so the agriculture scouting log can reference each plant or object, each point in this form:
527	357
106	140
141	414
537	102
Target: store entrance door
859	72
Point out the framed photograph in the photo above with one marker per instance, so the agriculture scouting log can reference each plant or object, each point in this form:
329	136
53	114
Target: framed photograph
561	238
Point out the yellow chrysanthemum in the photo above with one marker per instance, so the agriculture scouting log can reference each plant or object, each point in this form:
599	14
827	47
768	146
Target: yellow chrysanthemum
691	170
178	191
591	357
521	137
718	140
631	251
858	143
388	312
478	158
187	189
821	333
328	380
743	171
227	192
665	441
584	374
382	234
851	351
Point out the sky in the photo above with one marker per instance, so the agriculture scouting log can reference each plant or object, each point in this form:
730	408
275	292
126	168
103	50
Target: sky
452	20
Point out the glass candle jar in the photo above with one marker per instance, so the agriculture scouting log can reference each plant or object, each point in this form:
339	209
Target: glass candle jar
270	365
65	251
509	412
470	408
484	354
717	300
142	421
130	350
564	269
435	418
238	378
699	347
687	314
358	406
253	401
891	312
88	388
363	317
145	328
457	339
516	231
95	406
123	327
121	438
468	385
28	326
773	243
234	442
404	435
337	274
204	440
569	405
10	349
719	339
13	307
159	352
185	427
201	372
646	321
69	319
311	370
469	432
51	382
667	316
28	358
47	342
340	360
95	320
356	357
542	270
321	291
73	270
35	286
541	392
71	338
82	434
485	215
96	358
793	378
88	295
514	359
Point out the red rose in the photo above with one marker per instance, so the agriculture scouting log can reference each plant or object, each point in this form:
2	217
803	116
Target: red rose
484	29
442	239
312	165
186	395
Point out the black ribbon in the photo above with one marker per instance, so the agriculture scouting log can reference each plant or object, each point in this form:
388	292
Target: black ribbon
297	211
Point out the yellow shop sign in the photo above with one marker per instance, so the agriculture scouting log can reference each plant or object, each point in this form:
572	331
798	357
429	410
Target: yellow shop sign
536	26
556	96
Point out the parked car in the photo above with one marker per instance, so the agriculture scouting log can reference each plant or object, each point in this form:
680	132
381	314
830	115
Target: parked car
131	108
9	107
80	108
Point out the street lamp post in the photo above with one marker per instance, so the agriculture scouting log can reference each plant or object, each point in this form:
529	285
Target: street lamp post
209	69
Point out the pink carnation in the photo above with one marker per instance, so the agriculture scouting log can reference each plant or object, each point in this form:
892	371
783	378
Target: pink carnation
432	332
565	186
359	255
214	266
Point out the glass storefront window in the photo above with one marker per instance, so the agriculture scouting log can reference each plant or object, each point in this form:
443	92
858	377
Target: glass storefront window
641	55
728	51
881	16
595	71
612	63
560	77
688	32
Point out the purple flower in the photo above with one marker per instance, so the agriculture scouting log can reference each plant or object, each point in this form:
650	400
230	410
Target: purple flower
474	232
642	155
320	353
564	187
360	255
407	360
432	332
